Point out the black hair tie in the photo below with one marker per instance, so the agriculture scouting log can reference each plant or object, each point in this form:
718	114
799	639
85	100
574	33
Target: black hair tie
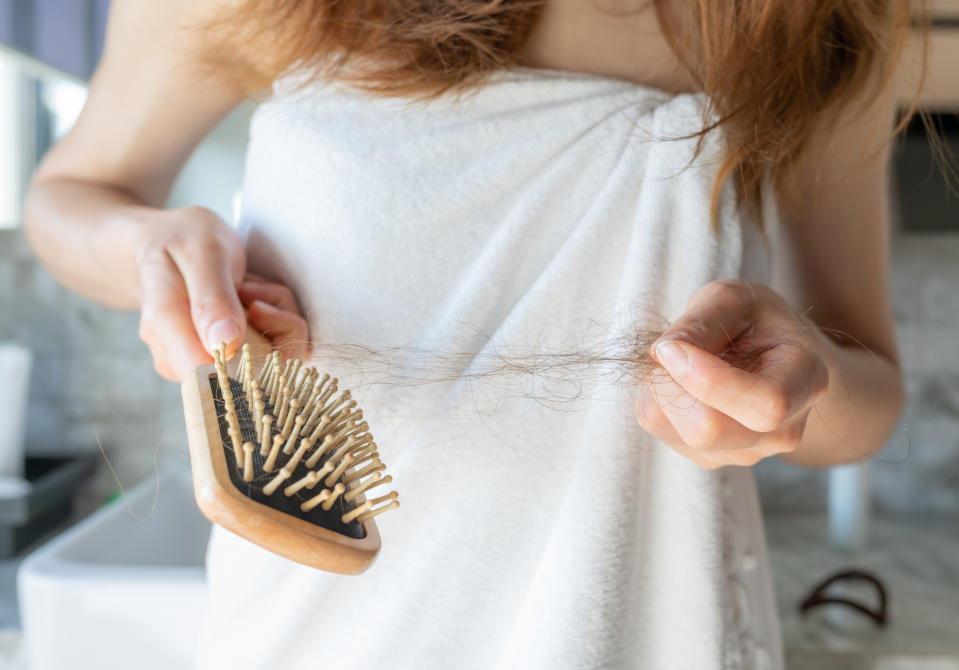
817	597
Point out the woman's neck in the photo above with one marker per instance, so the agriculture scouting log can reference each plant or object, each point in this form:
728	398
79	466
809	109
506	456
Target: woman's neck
610	38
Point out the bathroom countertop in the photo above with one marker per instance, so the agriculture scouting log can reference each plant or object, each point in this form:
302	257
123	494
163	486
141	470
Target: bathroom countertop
11	656
916	559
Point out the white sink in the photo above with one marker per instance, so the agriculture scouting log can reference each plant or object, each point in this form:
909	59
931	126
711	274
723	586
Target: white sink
114	592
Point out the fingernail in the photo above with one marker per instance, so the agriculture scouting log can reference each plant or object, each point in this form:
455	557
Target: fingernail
262	304
672	357
224	330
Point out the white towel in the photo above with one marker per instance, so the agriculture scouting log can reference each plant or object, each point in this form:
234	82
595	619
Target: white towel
540	527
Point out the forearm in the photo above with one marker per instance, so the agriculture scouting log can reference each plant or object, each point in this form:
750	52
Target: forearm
85	234
858	411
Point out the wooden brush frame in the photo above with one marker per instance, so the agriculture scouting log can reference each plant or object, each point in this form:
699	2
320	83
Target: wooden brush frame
222	503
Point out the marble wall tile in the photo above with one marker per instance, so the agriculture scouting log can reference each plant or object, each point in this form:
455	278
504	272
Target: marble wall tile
918	468
92	376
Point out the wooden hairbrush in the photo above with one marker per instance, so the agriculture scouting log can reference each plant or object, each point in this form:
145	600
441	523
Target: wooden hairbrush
283	458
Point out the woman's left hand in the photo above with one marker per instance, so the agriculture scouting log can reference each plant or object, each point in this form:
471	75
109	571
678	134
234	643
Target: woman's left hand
740	374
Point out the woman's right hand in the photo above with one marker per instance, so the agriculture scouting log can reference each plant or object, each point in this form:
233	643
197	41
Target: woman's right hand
195	293
190	265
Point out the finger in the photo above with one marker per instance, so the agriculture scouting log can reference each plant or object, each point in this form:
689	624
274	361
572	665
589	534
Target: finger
768	445
784	440
215	308
699	425
160	364
271	293
743	458
166	371
751	448
651	418
761	402
254	277
165	322
287	331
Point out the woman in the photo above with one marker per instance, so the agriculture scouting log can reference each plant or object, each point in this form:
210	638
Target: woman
503	178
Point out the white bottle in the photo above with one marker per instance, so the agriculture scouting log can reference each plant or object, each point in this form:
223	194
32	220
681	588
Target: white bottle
849	505
15	364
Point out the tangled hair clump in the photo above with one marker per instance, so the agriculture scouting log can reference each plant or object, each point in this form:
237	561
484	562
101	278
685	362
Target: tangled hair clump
592	362
774	71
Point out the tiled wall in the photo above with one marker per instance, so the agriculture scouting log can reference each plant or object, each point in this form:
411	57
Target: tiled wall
92	376
918	469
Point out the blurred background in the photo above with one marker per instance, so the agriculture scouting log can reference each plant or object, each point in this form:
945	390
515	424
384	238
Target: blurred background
78	374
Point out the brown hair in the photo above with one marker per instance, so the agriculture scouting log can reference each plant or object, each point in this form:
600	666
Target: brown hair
774	71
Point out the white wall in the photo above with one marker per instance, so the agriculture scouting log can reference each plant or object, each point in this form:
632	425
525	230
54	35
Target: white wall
215	171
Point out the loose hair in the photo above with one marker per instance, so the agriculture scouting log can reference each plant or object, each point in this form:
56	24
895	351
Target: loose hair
773	71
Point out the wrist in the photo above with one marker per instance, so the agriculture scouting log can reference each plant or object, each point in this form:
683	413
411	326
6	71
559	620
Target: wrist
855	415
125	237
825	347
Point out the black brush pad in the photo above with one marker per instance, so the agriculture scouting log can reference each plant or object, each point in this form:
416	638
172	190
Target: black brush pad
330	520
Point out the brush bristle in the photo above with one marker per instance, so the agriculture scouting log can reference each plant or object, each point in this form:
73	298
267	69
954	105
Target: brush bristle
289	431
